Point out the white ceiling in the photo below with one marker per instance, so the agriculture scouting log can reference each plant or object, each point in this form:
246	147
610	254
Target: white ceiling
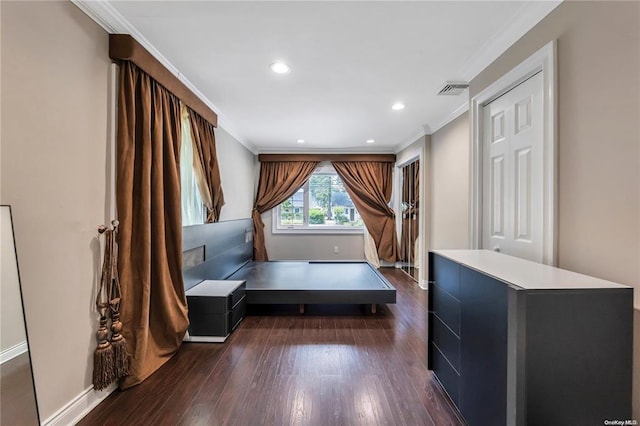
350	61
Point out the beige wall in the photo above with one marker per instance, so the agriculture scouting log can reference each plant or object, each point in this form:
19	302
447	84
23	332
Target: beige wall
237	166
55	69
54	171
598	138
311	246
449	185
11	319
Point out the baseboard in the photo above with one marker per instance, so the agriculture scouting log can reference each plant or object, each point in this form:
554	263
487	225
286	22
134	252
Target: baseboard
424	284
13	351
79	407
204	339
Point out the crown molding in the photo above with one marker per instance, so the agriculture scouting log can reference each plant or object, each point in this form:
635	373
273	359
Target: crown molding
527	17
105	15
431	129
451	116
225	123
425	130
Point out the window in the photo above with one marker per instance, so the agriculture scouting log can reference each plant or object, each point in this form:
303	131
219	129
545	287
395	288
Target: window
321	205
193	210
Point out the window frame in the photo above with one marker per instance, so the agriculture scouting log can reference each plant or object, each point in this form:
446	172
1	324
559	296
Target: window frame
305	228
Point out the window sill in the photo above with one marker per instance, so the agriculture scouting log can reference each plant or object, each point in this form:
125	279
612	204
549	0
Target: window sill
316	231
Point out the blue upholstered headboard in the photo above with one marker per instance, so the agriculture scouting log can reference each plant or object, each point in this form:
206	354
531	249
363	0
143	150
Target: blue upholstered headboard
214	251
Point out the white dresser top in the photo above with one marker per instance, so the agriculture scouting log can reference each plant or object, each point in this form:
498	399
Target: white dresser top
213	288
524	273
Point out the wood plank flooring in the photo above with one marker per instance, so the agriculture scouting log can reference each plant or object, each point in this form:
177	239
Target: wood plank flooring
334	365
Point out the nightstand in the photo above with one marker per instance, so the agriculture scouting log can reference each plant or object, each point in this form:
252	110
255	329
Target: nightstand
216	307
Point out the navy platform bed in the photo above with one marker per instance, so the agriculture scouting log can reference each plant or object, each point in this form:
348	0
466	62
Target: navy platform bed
223	251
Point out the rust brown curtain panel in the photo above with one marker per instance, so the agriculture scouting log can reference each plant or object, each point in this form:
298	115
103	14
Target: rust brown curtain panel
153	309
369	185
410	198
278	181
208	170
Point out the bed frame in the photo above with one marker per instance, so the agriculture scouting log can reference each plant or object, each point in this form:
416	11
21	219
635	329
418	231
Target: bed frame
224	250
305	282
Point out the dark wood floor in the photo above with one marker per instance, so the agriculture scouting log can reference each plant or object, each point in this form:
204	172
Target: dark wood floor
17	397
331	366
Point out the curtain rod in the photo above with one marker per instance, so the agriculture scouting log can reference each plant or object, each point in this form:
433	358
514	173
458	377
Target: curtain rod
382	158
123	47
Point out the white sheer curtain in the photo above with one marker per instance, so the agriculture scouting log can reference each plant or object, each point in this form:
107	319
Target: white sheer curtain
370	250
192	207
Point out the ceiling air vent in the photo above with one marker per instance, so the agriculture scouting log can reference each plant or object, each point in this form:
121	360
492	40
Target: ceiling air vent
453	88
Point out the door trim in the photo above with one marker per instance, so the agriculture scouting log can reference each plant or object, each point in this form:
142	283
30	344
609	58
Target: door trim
544	60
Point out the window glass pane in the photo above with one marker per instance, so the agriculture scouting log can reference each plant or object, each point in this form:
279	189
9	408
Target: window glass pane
329	205
329	202
192	208
292	210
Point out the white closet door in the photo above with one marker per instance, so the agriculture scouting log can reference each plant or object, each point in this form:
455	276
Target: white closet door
513	172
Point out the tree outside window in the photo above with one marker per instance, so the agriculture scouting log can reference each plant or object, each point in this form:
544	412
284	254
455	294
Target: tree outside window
322	203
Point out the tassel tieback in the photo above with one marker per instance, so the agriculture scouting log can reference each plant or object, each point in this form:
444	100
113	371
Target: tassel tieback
119	345
110	359
103	374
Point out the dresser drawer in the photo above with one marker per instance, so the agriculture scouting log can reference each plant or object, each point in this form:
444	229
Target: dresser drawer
445	373
214	325
207	305
446	307
447	342
237	313
237	295
446	275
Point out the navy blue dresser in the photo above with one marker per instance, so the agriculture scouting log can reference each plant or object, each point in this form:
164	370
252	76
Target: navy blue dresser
514	342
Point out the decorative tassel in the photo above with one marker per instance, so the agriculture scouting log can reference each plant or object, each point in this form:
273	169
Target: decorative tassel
110	359
119	344
103	373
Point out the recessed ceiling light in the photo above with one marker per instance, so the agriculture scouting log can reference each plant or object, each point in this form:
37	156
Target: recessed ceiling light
370	140
300	141
280	67
397	106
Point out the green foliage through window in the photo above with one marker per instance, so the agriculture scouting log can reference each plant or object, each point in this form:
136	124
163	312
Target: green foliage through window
325	202
316	217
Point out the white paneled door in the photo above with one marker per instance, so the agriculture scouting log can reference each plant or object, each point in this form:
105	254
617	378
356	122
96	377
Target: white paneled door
513	168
